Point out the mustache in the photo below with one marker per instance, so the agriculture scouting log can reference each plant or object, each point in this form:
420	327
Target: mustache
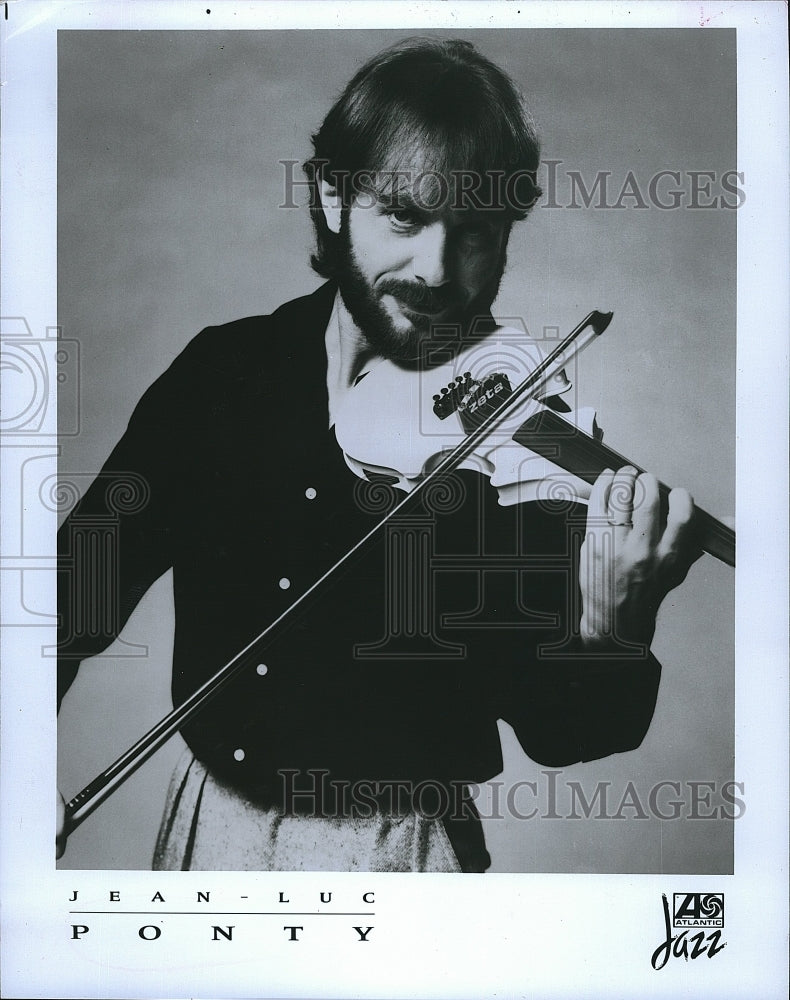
420	297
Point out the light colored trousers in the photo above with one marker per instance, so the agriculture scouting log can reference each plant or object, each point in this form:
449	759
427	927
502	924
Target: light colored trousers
210	826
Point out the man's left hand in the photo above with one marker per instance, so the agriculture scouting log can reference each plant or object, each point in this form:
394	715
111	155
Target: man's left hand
629	562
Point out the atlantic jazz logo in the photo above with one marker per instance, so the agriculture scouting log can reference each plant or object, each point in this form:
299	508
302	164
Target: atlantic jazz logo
703	910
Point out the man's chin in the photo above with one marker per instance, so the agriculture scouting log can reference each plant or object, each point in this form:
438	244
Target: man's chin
414	335
402	347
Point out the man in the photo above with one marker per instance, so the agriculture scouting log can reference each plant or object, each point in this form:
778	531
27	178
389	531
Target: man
350	737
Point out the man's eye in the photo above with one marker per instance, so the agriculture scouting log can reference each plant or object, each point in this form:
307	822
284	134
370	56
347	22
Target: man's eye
403	218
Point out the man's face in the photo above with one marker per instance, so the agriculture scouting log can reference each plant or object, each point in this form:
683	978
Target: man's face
406	269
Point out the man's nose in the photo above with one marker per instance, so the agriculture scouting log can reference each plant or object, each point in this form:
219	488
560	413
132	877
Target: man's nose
430	254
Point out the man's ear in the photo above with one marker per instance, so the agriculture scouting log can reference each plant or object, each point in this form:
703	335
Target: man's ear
332	205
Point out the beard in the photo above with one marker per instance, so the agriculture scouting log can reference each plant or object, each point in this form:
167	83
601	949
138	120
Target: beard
451	316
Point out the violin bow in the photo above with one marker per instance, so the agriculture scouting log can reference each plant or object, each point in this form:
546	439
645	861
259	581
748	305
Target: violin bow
93	794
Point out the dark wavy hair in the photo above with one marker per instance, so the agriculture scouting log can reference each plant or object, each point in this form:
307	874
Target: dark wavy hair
436	106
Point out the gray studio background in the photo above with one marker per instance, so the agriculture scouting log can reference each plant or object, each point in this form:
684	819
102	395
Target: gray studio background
168	194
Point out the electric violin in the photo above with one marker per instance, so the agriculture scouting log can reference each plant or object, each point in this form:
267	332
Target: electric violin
400	423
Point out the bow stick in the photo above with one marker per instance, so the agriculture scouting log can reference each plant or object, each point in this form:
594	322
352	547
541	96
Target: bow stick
91	797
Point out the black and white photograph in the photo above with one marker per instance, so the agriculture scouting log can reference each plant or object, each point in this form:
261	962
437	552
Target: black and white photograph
181	187
391	391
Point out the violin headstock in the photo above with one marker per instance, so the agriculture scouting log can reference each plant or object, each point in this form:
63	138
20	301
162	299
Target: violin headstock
471	398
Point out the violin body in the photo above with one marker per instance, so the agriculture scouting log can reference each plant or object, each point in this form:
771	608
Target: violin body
400	422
